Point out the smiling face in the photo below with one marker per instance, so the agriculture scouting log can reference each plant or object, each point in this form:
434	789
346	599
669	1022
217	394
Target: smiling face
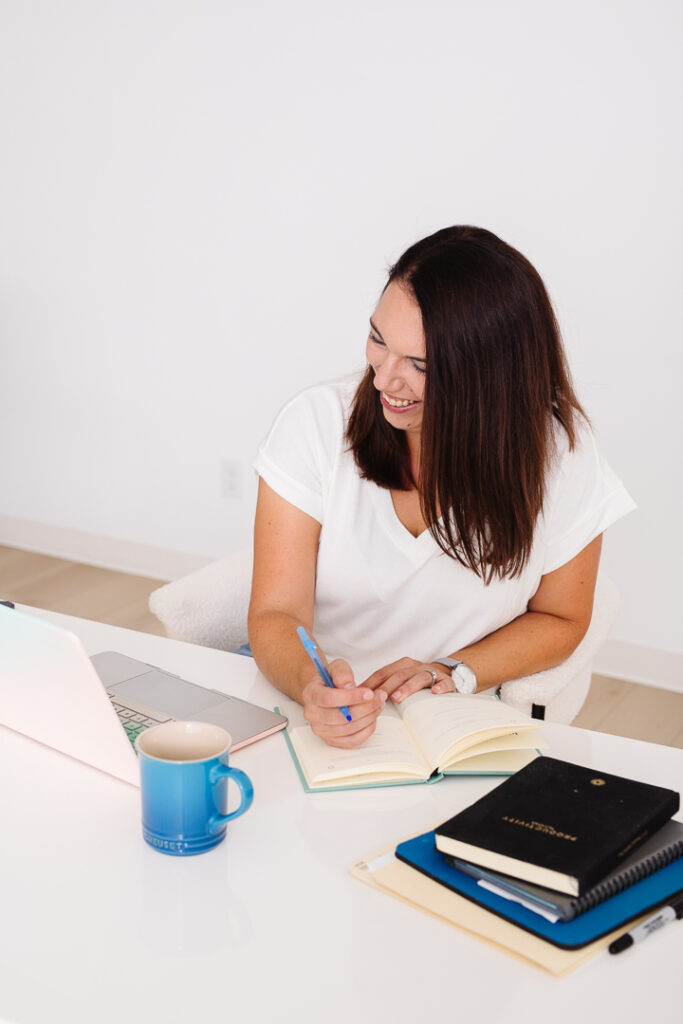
396	352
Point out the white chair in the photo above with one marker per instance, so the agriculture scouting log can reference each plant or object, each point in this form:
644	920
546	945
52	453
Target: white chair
558	694
209	607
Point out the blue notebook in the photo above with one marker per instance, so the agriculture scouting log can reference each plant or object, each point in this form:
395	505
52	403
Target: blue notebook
650	892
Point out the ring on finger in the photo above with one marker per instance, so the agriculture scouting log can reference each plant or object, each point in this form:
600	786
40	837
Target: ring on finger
432	673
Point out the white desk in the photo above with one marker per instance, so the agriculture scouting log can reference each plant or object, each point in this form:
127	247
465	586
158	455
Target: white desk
97	927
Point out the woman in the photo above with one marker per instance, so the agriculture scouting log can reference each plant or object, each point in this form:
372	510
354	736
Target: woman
437	524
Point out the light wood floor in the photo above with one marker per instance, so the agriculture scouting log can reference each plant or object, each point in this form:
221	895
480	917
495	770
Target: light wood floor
613	706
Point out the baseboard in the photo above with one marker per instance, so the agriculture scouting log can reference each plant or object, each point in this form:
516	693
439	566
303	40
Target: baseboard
93	549
622	660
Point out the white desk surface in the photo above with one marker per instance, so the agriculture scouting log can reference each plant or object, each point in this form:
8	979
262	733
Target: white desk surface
97	927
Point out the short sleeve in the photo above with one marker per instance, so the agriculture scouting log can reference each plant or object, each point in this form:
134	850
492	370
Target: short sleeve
584	497
297	456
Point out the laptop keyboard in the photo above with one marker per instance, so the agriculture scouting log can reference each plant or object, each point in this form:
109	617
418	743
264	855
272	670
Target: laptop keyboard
132	721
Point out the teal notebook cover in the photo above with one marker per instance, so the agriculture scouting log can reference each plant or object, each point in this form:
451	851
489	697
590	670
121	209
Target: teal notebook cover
644	896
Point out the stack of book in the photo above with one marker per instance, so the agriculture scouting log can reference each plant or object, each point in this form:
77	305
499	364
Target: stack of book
556	860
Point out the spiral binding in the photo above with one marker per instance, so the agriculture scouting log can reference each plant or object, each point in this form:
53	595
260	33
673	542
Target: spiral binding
610	887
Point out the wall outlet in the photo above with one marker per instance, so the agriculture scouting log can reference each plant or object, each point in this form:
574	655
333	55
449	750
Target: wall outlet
232	484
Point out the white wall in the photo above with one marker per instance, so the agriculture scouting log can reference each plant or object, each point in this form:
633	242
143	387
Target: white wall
198	201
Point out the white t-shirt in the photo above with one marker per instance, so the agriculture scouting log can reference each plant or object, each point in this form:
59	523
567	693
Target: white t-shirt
382	593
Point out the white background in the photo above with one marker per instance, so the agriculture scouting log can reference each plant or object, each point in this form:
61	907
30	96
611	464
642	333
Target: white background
198	201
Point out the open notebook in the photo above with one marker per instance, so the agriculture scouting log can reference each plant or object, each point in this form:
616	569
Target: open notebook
421	739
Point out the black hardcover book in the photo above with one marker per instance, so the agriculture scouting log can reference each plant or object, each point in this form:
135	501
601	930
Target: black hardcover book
662	848
557	824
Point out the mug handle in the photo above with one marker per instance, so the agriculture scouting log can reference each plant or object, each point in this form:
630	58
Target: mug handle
224	771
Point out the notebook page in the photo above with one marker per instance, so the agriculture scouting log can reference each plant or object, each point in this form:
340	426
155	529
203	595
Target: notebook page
446	725
390	750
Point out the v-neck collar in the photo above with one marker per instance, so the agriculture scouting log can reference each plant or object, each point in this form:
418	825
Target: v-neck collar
418	549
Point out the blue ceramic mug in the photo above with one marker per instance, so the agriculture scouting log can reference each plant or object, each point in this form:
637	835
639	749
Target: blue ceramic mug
184	774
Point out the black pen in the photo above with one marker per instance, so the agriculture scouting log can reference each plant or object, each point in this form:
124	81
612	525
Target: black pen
672	912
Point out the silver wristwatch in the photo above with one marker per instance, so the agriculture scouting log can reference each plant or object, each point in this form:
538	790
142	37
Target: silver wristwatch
461	674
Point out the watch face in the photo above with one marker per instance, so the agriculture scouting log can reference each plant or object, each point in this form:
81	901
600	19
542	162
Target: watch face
464	679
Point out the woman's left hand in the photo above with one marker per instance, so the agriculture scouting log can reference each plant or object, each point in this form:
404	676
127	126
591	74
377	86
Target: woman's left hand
406	676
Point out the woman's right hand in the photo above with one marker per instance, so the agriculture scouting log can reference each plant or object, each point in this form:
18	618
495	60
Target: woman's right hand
321	707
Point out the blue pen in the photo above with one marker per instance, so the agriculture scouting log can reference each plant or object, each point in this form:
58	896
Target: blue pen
312	652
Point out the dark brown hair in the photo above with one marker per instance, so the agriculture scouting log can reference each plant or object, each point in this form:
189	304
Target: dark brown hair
497	384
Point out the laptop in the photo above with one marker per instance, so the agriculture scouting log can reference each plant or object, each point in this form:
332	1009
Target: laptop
92	708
